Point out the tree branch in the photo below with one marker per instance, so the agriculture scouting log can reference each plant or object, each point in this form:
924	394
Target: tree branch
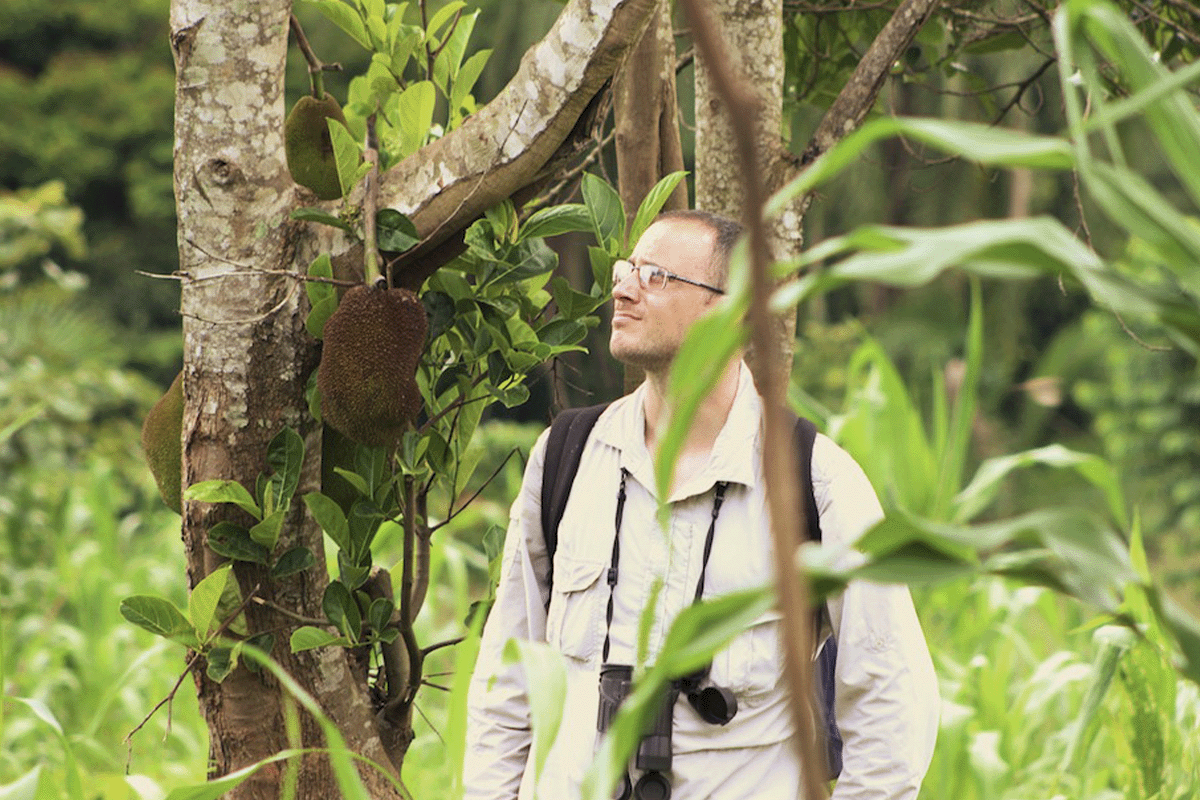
858	95
450	182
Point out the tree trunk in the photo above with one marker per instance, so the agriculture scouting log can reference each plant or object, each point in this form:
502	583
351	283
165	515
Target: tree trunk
646	112
247	355
246	364
753	34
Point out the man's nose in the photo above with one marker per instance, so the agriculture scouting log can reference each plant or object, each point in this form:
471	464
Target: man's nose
628	288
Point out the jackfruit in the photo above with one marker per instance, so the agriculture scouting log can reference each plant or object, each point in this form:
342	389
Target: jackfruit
161	435
367	376
308	148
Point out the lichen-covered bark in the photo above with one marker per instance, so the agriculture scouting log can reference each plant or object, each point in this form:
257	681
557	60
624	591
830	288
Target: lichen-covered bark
246	363
753	34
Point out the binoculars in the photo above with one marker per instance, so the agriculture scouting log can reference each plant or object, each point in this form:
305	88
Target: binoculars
716	705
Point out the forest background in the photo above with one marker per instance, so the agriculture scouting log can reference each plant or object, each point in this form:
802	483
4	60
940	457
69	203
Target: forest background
89	339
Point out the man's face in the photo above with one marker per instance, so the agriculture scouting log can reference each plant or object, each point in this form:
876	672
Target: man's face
649	325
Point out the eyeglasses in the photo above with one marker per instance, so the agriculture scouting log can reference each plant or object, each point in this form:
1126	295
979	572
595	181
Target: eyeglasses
652	276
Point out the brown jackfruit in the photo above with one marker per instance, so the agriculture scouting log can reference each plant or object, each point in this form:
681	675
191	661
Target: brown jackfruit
367	376
308	148
161	434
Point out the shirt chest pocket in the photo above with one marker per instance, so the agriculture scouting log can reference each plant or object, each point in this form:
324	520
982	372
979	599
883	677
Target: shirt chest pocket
753	662
575	619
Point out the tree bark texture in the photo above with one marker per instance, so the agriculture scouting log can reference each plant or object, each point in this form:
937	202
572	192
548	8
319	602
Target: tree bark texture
247	355
246	364
753	34
646	113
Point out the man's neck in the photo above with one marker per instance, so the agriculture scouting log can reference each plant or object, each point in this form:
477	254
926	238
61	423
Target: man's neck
706	425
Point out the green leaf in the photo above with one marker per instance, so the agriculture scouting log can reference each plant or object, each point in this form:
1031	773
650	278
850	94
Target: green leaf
652	203
607	214
321	216
564	333
321	267
160	617
221	662
345	18
202	603
977	142
573	304
443	16
306	637
233	541
355	480
395	232
709	347
285	455
1096	470
223	491
25	787
546	676
346	154
341	610
467	75
556	220
293	561
74	787
379	615
414	116
319	315
266	533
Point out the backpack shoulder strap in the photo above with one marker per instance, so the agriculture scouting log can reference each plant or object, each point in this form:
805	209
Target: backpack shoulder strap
806	435
564	448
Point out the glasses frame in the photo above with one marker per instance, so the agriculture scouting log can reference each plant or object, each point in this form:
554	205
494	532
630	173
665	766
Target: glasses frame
647	272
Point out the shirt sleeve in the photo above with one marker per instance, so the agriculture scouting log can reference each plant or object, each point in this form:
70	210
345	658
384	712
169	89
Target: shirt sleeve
886	694
498	723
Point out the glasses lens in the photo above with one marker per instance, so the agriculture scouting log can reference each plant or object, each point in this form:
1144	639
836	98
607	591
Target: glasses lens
653	277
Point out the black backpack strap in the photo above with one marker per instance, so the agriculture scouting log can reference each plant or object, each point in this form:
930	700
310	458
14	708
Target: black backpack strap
564	448
806	436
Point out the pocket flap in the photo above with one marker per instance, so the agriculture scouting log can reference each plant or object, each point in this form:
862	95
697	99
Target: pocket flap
575	575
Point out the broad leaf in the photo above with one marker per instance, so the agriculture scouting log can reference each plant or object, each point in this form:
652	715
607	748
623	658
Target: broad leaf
394	231
293	561
341	610
414	116
223	491
266	533
347	155
160	617
307	637
233	541
345	18
285	455
202	603
652	204
556	220
608	215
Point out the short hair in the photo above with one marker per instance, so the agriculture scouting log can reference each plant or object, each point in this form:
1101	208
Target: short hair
726	232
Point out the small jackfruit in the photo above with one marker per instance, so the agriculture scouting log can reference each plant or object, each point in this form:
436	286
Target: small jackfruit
308	147
161	435
367	376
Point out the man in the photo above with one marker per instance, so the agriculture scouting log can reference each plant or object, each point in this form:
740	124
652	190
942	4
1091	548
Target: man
886	690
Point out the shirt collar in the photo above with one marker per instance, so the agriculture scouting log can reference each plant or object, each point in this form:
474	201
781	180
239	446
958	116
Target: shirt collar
735	456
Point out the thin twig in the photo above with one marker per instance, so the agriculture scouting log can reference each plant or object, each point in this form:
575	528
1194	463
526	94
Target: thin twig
438	646
262	601
474	496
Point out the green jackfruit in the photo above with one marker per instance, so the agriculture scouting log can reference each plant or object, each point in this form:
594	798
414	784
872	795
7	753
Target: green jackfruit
161	435
309	149
367	376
